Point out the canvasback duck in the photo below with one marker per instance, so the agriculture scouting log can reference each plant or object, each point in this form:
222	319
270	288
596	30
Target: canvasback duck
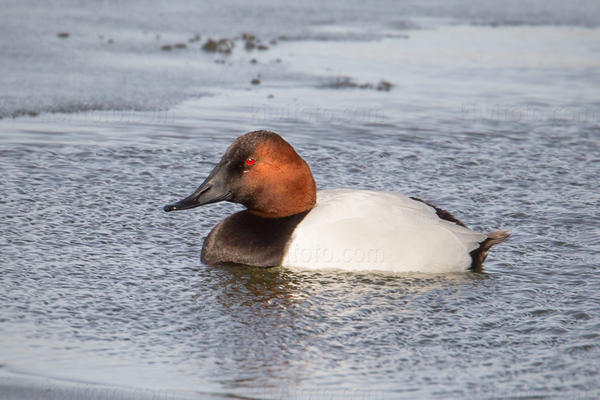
288	223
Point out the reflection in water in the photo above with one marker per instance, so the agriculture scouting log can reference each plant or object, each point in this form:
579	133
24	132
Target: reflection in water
276	323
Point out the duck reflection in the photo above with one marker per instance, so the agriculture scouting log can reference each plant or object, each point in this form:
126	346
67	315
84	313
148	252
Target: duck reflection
274	324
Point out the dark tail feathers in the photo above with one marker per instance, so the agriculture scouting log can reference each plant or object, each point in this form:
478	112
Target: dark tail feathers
480	254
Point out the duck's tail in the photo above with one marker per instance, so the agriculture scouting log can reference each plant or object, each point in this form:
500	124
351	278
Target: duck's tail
480	254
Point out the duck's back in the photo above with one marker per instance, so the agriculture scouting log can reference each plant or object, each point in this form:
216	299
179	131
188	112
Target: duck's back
371	230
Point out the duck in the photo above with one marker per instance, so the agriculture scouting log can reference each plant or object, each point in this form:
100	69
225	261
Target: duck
288	223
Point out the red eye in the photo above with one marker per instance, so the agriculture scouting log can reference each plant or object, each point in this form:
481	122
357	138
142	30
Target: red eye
250	161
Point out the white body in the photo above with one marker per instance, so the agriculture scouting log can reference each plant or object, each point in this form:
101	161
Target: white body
370	230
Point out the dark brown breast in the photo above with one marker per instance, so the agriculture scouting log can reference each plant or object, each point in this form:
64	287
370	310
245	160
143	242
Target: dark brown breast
248	239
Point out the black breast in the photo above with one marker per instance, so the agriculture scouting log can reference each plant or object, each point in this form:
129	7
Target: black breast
245	238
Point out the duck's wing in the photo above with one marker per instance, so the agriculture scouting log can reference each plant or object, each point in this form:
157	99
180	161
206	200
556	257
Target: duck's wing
370	230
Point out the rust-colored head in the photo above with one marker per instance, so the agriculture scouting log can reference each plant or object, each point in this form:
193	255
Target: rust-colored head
261	171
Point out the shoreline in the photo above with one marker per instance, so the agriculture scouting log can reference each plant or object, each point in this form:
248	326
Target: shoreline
21	386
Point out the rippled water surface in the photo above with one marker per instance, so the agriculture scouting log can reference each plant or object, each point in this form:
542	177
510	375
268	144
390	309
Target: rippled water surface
99	285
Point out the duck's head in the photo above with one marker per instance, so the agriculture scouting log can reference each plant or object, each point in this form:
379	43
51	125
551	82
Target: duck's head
261	171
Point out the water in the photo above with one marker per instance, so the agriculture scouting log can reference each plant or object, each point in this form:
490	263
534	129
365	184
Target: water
494	115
